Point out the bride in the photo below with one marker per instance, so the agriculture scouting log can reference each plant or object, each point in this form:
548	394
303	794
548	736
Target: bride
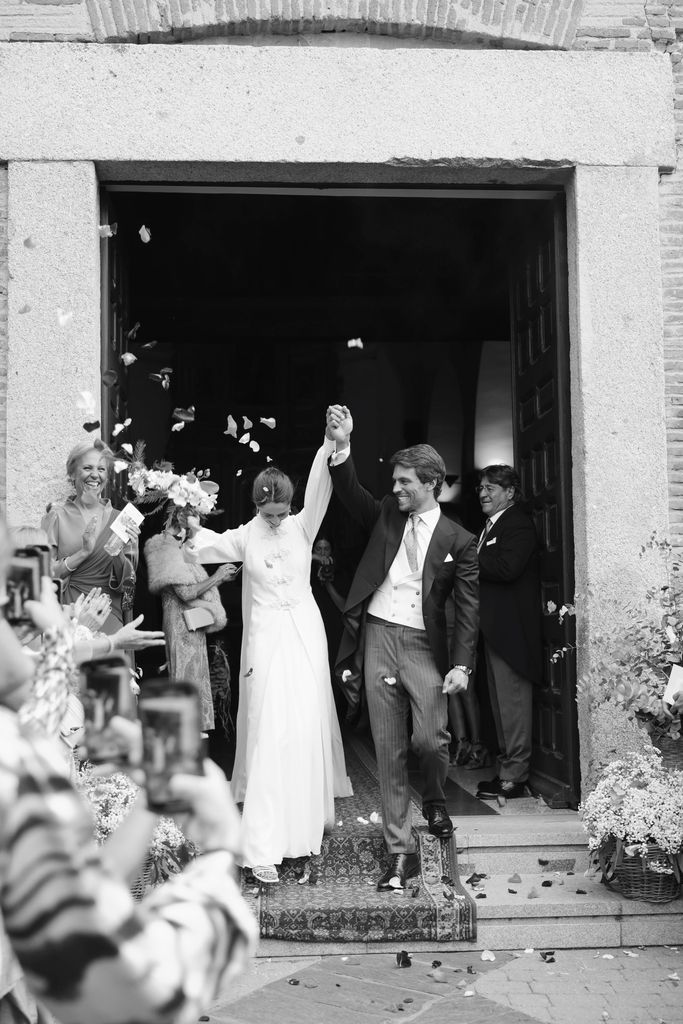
289	764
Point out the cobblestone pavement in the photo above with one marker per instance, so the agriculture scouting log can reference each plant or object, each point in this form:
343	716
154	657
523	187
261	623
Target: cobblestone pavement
636	986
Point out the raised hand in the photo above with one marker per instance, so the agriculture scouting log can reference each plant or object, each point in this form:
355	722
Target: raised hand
339	423
89	536
92	610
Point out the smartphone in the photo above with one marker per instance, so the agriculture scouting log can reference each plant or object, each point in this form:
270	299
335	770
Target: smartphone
170	713
105	692
24	582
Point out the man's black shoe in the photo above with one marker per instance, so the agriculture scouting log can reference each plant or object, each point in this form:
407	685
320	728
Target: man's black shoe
489	789
403	866
438	821
512	790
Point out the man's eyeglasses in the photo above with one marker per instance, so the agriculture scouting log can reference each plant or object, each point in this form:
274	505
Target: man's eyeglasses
489	488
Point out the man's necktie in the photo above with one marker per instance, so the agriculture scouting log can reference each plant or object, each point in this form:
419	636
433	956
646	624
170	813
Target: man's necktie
411	541
484	534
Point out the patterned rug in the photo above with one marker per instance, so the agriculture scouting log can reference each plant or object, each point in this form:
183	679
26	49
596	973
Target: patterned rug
333	897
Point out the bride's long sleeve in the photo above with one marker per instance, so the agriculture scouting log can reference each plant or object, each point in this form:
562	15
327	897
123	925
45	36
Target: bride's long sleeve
318	491
209	547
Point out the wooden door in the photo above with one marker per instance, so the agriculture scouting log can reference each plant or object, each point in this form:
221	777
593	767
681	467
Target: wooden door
114	331
540	346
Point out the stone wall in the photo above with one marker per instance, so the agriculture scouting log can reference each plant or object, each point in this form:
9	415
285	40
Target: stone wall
3	333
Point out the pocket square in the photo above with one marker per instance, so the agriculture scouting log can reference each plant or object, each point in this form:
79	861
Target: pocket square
492	541
448	558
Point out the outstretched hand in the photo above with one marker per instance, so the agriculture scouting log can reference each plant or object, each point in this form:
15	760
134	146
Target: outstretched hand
339	424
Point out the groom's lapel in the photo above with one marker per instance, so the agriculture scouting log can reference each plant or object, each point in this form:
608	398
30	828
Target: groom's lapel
439	546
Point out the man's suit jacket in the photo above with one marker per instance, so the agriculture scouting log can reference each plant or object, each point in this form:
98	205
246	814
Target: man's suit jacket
510	593
450	567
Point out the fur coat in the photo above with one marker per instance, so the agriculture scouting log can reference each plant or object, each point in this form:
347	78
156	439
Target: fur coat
166	568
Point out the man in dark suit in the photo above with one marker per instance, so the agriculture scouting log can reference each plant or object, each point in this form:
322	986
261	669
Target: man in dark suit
510	623
395	632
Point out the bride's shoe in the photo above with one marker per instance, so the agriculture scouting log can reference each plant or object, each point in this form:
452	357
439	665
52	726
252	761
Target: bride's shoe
266	873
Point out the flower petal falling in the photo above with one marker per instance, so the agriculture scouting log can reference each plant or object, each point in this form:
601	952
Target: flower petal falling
231	428
145	234
127	358
255	446
268	421
354	343
64	316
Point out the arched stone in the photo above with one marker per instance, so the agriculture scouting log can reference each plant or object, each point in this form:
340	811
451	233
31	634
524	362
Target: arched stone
531	24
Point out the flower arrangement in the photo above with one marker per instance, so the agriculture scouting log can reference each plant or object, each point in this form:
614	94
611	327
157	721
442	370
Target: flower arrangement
637	803
112	798
633	666
160	486
634	821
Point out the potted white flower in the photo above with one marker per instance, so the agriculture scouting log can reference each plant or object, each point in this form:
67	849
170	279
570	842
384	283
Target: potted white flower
634	821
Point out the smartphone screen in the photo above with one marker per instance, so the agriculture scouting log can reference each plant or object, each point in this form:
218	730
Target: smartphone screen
23	584
105	692
170	713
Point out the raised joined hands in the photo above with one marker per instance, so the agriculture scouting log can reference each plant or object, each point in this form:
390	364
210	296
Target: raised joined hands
339	424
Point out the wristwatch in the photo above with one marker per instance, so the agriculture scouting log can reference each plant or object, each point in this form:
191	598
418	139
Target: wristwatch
463	668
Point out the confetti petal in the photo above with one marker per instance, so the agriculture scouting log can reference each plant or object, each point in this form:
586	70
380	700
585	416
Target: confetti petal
29	243
120	465
64	316
86	403
185	415
628	952
244	439
390	680
127	358
238	473
375	818
94	425
232	427
166	383
149	344
247	423
354	343
178	426
487	955
514	879
132	333
548	956
25	309
607	956
107	230
127	448
268	458
268	421
468	993
363	821
673	977
255	446
110	378
145	234
438	976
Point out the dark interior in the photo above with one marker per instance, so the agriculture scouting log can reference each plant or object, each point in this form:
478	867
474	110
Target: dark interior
252	299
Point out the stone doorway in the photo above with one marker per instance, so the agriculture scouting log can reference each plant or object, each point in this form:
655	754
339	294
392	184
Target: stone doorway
252	296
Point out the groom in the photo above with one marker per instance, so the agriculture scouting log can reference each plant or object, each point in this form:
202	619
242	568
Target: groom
395	632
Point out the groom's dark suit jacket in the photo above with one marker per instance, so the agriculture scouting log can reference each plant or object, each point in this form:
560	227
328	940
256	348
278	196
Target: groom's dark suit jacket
442	576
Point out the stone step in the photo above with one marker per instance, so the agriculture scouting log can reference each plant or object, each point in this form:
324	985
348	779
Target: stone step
499	844
560	918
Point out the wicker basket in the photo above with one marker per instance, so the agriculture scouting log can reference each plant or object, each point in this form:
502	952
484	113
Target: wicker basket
637	877
672	752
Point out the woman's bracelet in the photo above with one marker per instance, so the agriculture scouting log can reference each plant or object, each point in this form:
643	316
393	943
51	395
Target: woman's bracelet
112	645
66	566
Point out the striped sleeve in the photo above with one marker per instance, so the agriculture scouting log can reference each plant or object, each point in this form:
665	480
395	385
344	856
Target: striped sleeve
89	952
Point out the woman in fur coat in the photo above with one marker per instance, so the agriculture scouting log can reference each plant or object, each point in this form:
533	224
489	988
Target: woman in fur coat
183	586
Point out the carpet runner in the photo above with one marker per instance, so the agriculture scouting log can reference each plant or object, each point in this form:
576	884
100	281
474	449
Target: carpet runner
333	897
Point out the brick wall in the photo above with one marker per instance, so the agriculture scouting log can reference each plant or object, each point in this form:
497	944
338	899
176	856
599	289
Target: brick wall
540	23
3	332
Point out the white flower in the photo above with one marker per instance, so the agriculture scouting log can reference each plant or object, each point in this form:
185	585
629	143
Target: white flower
390	680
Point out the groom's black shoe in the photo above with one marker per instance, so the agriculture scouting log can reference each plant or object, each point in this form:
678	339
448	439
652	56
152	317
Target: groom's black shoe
438	821
403	866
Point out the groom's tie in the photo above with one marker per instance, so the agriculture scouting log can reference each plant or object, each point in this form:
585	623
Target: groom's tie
411	541
484	535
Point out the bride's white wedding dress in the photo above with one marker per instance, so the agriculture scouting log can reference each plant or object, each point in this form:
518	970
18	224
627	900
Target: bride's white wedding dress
289	763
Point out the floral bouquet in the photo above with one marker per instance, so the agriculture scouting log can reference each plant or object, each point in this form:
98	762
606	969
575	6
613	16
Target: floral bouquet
179	493
634	821
112	799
